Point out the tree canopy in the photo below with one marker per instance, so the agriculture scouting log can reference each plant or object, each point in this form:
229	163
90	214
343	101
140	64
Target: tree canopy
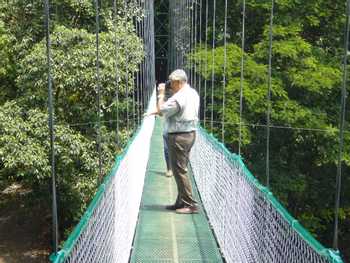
305	102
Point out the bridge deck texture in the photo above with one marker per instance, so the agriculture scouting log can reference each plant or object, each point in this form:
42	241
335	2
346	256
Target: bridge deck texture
162	235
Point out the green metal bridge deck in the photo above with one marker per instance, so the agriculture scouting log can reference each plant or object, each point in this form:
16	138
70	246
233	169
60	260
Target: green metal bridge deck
163	235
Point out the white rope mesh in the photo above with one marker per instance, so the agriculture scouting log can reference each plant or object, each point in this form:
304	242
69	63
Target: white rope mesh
250	225
105	233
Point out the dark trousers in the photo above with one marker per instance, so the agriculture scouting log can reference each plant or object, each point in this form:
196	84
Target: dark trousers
179	145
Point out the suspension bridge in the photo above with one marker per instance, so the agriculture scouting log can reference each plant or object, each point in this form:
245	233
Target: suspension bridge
240	220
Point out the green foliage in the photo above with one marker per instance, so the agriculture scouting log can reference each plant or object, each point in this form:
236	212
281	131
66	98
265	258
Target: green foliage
25	156
74	71
306	81
24	141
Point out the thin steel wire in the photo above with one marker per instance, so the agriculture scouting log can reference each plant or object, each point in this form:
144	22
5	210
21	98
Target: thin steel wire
242	78
194	42
126	67
212	70
200	48
134	117
278	127
206	62
268	114
51	129
98	85
224	76
342	126
116	67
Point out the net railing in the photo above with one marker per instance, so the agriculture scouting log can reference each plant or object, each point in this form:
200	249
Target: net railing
250	224
106	230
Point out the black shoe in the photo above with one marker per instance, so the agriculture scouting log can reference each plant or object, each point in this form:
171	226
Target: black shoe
173	207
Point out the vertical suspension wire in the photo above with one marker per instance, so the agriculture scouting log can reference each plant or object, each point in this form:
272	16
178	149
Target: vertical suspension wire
225	202
134	74
206	65
342	127
146	54
153	80
242	78
268	114
151	46
144	50
138	86
181	17
148	48
224	76
182	36
192	42
185	36
170	37
134	116
195	43
184	29
200	48
174	34
98	86
212	70
141	64
116	67
190	24
51	129
188	40
139	67
126	67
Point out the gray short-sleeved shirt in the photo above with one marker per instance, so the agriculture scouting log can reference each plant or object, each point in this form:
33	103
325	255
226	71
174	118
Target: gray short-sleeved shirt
181	111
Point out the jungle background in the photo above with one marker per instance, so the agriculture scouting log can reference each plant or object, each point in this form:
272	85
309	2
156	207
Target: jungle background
306	88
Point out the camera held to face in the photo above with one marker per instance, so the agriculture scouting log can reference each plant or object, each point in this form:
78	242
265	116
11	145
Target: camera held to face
168	85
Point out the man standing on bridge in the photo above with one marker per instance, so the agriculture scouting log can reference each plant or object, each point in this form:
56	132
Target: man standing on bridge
181	120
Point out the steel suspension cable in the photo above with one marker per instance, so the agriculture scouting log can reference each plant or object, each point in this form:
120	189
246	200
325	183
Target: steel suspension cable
225	204
98	89
144	60
342	126
138	85
212	70
194	41
188	41
51	129
224	77
200	48
186	38
206	63
116	67
184	19
126	67
268	114
136	74
242	78
184	35
153	76
133	103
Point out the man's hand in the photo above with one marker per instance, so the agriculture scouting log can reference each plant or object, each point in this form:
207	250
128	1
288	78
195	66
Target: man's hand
161	88
147	114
